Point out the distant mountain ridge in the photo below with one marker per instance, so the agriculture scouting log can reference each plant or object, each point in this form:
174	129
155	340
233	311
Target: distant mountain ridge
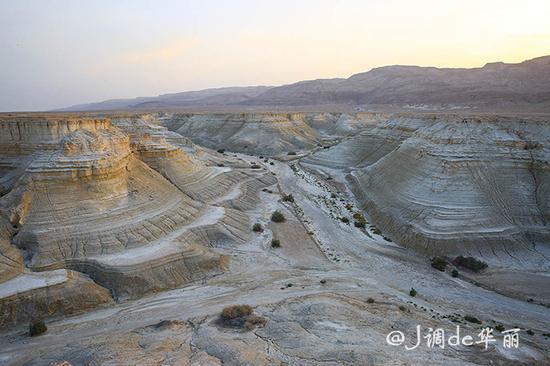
497	85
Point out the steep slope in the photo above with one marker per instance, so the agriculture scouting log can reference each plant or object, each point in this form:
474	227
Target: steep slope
476	186
128	209
255	133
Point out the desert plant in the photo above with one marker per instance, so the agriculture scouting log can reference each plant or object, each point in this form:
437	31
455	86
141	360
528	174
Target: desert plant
413	292
221	151
323	281
359	216
253	321
359	224
472	319
292	153
236	311
37	327
376	230
402	308
470	263
370	300
255	166
275	243
530	332
454	273
277	216
439	263
257	227
500	327
345	220
288	198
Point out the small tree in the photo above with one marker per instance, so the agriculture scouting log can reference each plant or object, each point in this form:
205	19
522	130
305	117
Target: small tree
278	217
275	243
37	327
257	227
412	292
439	263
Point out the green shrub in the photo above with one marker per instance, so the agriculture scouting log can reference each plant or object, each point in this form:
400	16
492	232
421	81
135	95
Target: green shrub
439	263
359	224
470	263
257	227
472	319
275	243
454	273
278	217
412	292
376	230
288	198
345	220
37	327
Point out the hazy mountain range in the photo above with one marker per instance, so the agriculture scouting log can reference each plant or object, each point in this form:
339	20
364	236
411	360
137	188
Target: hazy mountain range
523	86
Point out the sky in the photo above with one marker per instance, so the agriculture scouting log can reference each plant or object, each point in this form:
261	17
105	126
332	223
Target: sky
56	53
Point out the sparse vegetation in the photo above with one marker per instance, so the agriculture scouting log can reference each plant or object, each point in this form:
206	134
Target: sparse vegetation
470	263
241	316
323	281
439	263
288	198
472	319
344	219
253	321
275	243
375	230
402	308
370	300
221	151
454	273
236	311
359	224
255	166
412	292
292	153
37	327
257	227
277	216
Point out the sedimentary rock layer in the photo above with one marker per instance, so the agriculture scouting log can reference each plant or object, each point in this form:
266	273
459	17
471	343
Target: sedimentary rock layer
473	185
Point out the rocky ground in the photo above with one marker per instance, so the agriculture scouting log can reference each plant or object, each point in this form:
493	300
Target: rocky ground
330	293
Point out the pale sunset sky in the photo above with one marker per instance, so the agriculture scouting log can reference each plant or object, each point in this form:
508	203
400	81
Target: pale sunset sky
59	53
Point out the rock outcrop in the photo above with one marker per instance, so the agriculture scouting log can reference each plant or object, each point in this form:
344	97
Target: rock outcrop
131	207
477	186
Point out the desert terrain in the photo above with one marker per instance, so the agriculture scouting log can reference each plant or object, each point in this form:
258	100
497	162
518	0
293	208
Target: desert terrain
128	232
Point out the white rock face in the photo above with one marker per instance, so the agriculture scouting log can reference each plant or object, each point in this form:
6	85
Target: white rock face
474	185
